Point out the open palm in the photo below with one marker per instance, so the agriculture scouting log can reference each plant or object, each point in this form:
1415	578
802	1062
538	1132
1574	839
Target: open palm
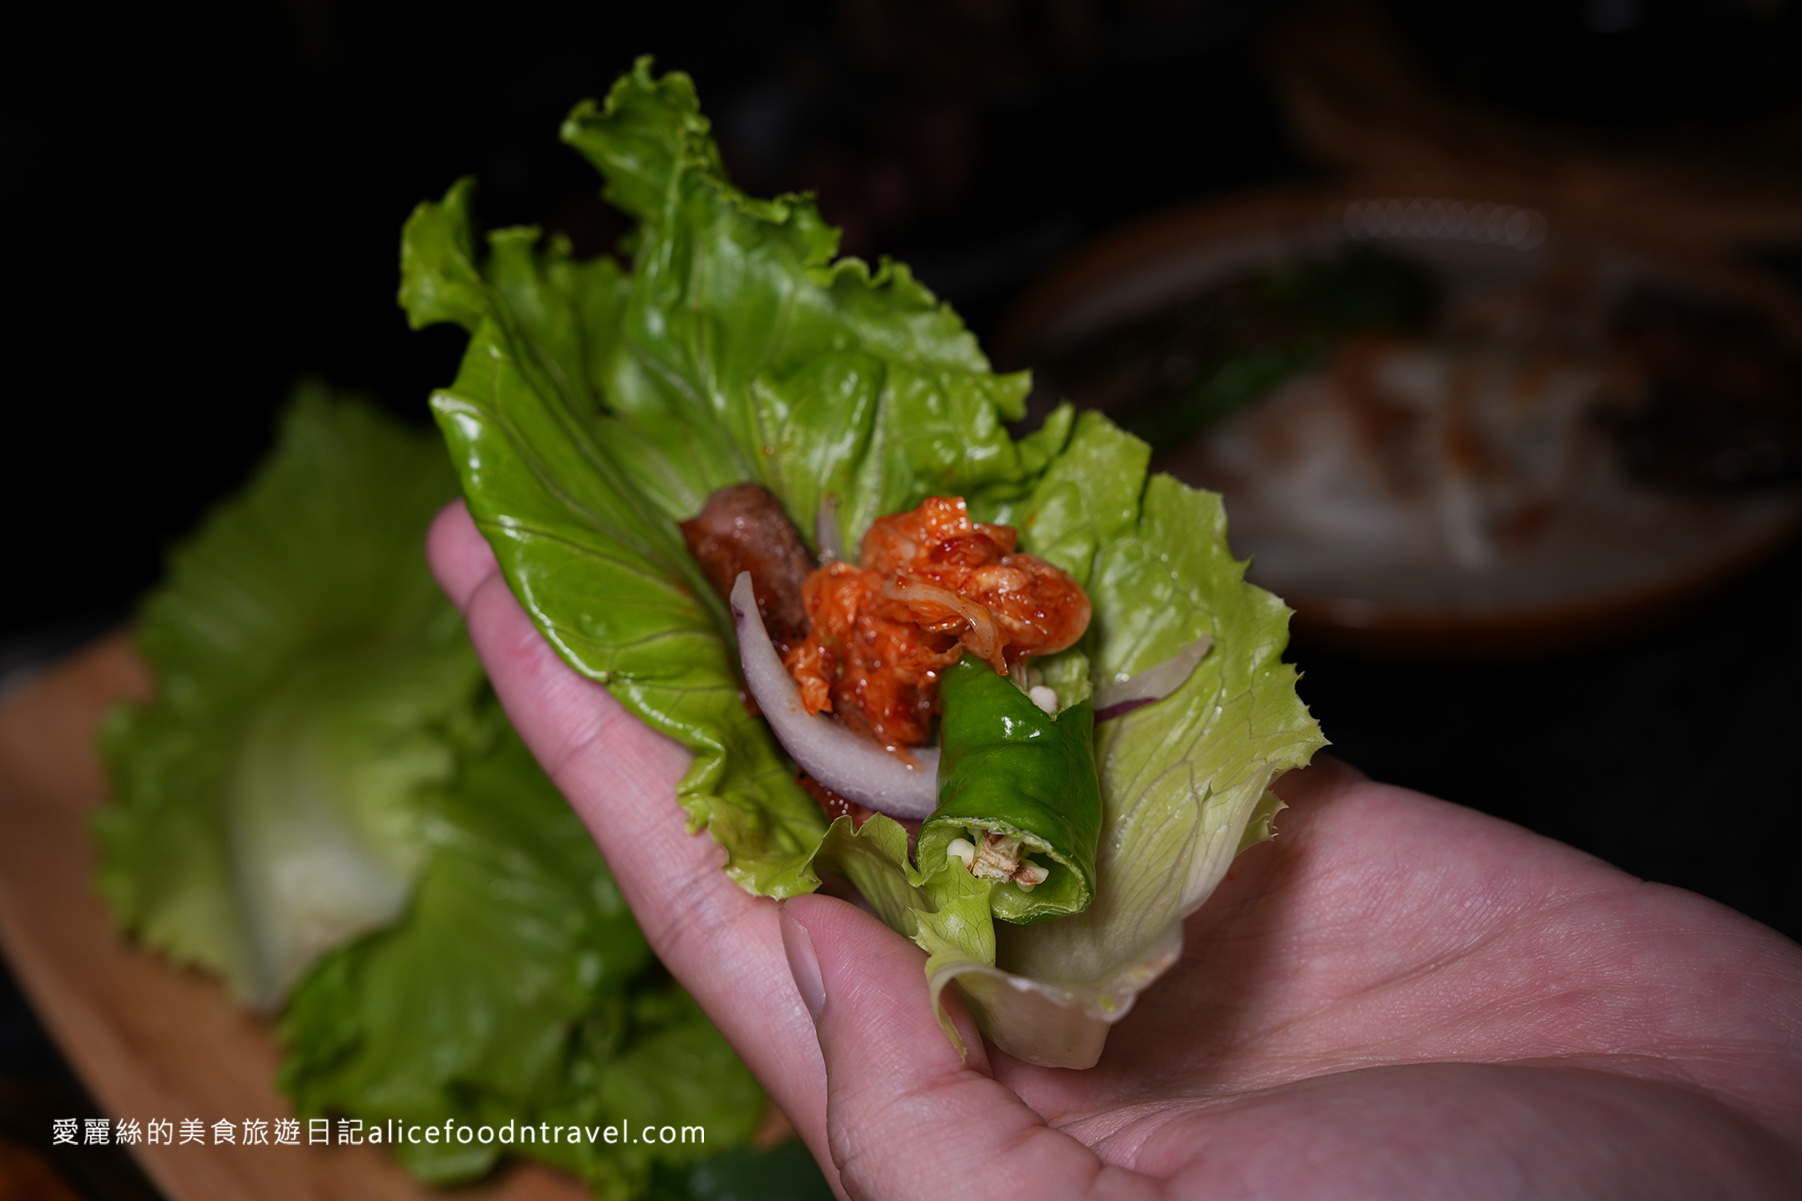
1395	998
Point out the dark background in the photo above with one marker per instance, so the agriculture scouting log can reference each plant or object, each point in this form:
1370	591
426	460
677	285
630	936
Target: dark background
202	203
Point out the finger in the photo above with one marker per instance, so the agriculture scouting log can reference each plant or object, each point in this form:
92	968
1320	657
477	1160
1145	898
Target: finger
620	777
906	1116
459	556
1320	780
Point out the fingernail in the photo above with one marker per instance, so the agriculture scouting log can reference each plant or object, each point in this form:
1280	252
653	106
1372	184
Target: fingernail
803	964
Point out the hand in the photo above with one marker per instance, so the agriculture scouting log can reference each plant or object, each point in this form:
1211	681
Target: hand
1394	998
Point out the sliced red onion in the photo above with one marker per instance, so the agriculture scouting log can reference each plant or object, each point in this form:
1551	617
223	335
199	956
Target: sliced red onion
826	534
1152	684
848	763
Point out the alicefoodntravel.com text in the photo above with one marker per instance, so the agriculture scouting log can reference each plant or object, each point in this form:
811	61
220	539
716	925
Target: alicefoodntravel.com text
353	1132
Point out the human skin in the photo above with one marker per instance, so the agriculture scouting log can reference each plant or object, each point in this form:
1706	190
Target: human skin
1394	998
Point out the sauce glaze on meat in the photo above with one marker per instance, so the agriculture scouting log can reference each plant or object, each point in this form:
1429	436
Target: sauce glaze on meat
932	584
743	528
868	641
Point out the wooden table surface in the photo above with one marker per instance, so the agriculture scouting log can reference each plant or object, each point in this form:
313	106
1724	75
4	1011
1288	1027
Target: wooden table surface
152	1041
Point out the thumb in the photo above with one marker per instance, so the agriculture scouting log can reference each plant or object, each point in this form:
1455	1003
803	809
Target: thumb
906	1116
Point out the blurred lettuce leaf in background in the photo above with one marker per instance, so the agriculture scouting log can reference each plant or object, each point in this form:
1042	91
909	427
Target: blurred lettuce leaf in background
266	806
325	806
518	989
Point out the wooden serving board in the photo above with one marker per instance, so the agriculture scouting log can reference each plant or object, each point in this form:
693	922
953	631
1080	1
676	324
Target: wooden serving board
152	1041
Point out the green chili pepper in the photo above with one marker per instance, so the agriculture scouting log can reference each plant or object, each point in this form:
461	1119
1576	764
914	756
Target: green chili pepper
1010	771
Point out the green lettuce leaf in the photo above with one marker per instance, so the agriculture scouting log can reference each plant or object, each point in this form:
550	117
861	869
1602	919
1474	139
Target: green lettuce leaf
596	406
265	805
518	989
1183	780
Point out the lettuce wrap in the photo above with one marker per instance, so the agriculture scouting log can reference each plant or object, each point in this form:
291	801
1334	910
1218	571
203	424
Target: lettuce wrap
596	406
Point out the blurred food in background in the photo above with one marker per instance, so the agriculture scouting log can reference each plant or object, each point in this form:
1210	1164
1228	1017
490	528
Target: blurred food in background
1441	421
978	140
1674	118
